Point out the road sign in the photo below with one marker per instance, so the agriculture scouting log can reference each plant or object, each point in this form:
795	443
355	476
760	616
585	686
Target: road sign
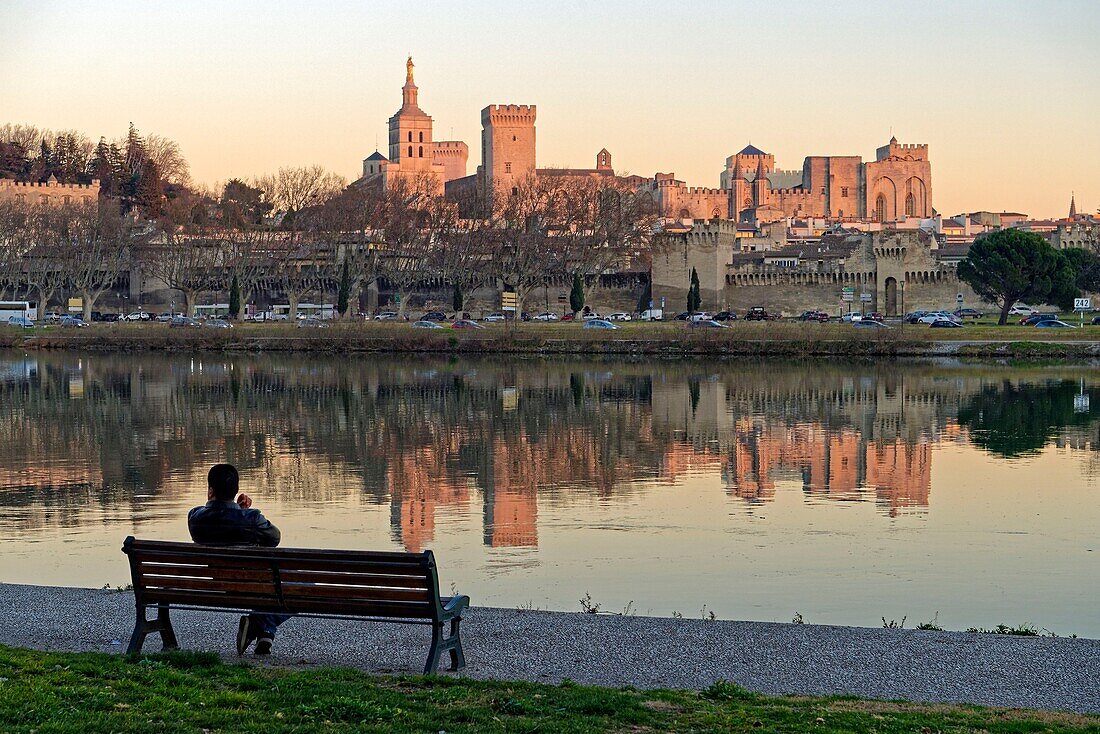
847	296
1081	403
959	298
508	301
76	305
865	297
1082	304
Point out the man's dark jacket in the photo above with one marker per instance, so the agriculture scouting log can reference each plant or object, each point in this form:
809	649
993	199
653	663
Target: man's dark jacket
226	523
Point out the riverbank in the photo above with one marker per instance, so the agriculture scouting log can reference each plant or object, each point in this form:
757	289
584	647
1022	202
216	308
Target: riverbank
610	650
635	339
189	692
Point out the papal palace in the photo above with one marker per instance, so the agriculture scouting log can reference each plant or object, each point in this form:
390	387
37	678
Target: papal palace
788	239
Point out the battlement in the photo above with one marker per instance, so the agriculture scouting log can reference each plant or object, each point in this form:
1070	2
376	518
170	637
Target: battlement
49	186
508	114
449	147
703	190
919	151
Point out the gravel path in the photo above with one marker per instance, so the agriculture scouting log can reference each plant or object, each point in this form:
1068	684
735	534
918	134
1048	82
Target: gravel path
646	652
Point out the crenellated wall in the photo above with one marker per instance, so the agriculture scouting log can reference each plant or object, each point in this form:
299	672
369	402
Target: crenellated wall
49	192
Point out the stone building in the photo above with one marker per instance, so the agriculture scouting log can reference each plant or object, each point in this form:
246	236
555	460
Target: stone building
413	152
899	270
896	186
49	192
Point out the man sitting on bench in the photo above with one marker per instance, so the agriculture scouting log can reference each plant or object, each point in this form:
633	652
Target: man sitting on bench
224	520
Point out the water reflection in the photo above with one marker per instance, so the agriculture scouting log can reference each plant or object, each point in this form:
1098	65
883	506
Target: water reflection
510	452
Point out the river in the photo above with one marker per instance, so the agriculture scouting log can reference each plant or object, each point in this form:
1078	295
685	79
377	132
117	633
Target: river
762	490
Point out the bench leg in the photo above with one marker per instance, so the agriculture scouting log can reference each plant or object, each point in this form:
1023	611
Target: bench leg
458	658
144	626
433	653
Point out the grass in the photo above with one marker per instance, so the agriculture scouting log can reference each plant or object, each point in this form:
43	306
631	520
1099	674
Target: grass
195	692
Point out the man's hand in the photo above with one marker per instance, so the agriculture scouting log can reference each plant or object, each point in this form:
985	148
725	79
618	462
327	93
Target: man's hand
244	501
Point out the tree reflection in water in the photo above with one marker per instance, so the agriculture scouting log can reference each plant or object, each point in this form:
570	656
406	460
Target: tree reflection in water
79	434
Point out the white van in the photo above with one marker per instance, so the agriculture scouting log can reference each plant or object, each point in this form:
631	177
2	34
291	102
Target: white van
652	314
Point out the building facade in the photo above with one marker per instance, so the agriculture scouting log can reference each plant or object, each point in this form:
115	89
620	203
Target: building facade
49	192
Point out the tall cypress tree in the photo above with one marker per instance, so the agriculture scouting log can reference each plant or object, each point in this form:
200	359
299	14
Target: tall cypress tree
694	297
458	299
576	293
343	292
234	298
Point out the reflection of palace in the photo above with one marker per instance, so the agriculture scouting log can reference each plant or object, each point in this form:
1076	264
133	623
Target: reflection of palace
432	439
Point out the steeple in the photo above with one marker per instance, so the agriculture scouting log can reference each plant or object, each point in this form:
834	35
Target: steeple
1072	206
408	92
738	174
760	173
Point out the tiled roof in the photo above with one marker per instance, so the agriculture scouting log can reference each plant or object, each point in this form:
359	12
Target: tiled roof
376	156
751	149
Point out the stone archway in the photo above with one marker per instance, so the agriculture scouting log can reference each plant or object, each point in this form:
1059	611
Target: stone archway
891	297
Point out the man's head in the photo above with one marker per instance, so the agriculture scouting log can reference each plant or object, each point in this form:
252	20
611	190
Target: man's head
223	481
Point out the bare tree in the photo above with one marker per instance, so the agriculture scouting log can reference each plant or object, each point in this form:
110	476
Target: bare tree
293	189
192	263
93	244
169	160
346	229
411	218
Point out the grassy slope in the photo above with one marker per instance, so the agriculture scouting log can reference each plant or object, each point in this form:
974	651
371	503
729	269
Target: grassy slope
194	692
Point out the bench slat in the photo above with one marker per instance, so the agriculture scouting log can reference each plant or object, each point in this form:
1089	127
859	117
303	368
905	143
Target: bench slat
224	600
411	610
147	548
353	592
211	572
177	583
354	579
285	562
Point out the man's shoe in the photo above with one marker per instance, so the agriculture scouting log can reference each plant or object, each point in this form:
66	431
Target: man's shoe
244	635
263	646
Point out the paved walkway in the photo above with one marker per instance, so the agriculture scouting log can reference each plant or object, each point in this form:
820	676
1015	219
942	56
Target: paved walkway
645	652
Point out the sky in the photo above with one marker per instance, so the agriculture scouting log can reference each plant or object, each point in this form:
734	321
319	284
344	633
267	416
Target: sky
1006	93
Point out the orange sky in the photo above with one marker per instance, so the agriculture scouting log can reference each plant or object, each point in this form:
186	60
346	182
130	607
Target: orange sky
1003	91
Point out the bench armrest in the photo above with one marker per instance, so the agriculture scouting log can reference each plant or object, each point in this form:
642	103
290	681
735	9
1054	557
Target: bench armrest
454	606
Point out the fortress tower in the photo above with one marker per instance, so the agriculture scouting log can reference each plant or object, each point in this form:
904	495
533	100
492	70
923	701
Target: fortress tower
411	130
507	144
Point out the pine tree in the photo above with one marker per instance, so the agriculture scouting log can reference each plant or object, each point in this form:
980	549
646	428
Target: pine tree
234	298
576	293
646	299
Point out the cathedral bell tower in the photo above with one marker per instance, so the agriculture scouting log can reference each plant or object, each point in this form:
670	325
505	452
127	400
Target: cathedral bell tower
411	130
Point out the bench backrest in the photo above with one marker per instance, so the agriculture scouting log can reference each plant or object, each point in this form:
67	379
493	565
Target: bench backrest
294	580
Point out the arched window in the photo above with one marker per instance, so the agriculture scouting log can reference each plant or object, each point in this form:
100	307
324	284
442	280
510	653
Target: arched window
410	148
910	206
421	151
880	208
410	136
67	200
421	137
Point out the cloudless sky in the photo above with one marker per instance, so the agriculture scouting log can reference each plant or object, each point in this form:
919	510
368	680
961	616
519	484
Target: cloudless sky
1005	92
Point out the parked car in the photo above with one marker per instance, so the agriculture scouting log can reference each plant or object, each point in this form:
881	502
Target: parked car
1021	309
683	316
547	316
945	324
51	318
110	318
757	313
386	316
76	322
725	316
311	322
652	314
599	324
1054	324
1036	318
435	316
968	313
707	324
819	316
869	324
20	322
424	324
934	316
494	318
851	317
1095	320
569	317
166	317
139	316
216	324
588	316
874	316
913	317
619	316
701	316
466	324
184	322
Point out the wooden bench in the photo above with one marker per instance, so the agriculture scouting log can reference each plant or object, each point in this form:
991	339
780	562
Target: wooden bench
304	582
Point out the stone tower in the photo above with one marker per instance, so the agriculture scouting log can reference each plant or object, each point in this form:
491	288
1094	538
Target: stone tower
507	144
603	160
411	131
